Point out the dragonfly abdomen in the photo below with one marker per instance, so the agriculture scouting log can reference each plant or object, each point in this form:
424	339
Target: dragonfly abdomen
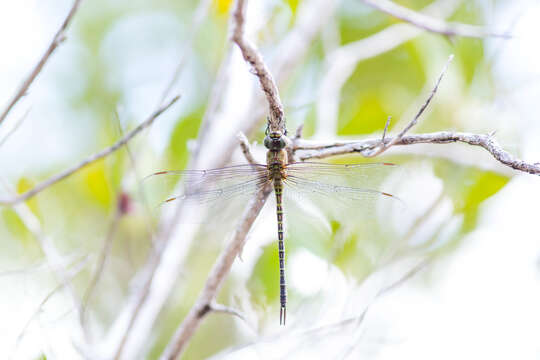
278	189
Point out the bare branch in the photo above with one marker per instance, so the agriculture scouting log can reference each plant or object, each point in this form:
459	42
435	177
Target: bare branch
259	68
319	150
386	128
14	128
384	146
93	158
430	23
143	305
216	277
56	41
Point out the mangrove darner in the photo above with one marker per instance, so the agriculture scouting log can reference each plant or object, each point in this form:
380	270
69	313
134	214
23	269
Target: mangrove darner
297	181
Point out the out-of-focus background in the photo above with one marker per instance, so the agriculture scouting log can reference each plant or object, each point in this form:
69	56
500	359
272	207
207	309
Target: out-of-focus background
468	235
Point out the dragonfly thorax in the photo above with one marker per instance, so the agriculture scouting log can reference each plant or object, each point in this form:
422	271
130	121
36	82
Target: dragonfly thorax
274	141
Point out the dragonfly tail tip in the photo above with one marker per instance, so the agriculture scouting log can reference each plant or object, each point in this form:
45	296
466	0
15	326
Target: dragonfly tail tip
282	315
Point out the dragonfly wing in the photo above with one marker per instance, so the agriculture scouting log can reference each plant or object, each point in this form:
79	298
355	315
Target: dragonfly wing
336	196
345	193
213	191
366	176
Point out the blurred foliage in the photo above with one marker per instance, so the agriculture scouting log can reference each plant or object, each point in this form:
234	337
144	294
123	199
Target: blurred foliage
186	129
468	188
264	277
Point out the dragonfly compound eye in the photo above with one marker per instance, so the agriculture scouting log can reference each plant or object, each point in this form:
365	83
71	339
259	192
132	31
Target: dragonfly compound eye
268	142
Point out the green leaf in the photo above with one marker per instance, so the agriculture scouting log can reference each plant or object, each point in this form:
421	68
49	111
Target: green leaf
185	130
97	184
264	281
468	187
368	97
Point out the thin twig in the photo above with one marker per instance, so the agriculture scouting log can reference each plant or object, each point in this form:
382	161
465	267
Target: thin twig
56	41
220	308
244	145
386	128
14	128
259	68
103	153
299	131
215	279
413	122
442	137
430	23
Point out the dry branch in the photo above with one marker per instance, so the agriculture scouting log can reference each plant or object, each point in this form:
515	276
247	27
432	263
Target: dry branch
430	23
320	150
56	41
143	305
93	158
259	68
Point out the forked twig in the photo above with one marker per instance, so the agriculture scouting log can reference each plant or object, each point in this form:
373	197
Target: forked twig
385	146
56	41
93	158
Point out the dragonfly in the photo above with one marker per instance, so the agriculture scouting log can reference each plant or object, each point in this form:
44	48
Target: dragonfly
298	180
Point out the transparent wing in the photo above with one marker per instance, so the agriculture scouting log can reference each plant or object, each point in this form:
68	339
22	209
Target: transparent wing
364	176
214	190
353	193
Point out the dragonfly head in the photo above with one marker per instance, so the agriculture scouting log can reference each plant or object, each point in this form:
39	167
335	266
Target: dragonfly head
274	141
